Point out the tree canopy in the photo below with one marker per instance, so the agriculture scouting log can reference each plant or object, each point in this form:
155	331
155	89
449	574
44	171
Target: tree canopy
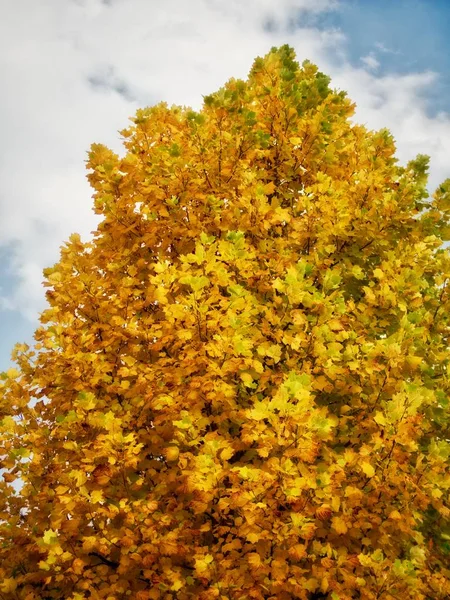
239	388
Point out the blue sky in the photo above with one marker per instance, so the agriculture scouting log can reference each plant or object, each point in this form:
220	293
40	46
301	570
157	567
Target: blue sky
405	35
70	83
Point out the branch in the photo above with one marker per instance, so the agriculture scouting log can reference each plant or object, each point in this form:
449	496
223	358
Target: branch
111	563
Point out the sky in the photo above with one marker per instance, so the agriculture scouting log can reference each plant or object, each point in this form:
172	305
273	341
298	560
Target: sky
74	71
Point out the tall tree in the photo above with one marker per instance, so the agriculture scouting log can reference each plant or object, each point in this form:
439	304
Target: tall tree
240	387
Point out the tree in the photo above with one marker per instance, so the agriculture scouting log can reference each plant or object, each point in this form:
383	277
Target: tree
239	388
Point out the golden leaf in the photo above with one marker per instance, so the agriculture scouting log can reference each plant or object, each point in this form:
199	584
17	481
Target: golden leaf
367	469
339	525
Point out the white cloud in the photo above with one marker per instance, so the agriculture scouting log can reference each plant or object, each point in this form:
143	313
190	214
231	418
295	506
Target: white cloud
399	102
371	62
383	48
73	71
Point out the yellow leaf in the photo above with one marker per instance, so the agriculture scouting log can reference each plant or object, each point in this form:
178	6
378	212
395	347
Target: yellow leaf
171	453
86	400
226	453
78	566
254	559
297	551
70	446
365	560
79	477
177	585
335	503
367	469
247	379
274	351
8	585
269	188
202	564
380	418
258	366
96	496
395	515
413	361
378	273
12	373
339	525
351	490
358	272
89	542
50	537
259	412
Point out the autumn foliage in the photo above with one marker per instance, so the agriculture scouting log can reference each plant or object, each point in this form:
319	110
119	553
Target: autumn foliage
240	387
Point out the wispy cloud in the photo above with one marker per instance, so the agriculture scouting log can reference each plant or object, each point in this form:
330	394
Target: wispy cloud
383	48
371	62
107	80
